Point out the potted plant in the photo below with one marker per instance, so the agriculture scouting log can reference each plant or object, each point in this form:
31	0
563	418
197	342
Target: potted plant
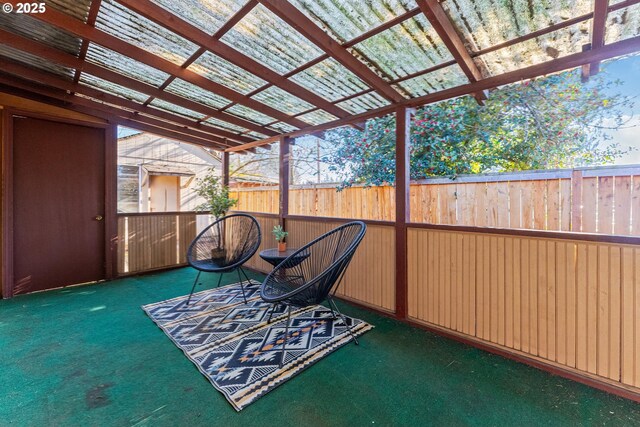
217	203
280	235
216	196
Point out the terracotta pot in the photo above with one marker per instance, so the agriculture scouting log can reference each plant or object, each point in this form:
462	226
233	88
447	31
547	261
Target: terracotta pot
217	253
282	246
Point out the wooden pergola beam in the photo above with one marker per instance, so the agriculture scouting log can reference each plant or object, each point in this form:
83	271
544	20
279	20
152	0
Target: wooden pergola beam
612	50
96	113
91	20
116	115
181	27
305	26
444	27
600	11
23	73
125	104
79	28
253	144
70	61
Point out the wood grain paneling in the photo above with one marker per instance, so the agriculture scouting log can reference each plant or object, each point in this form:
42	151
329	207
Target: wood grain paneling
370	278
572	303
257	200
24	104
149	242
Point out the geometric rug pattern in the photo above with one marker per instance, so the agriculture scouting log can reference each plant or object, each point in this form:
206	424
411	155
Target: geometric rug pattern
234	347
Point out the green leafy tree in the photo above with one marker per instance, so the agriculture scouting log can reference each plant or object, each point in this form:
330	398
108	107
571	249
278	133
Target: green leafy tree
217	200
550	122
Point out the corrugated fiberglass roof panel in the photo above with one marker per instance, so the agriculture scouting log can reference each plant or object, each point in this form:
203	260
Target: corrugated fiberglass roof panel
541	49
250	114
207	15
99	101
362	103
282	127
317	117
435	81
269	40
256	135
221	71
176	109
112	88
78	9
34	61
282	100
190	91
405	48
623	24
486	23
345	20
124	65
220	124
127	25
330	79
34	29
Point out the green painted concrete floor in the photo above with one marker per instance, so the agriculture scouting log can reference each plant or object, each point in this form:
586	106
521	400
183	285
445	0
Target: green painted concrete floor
90	356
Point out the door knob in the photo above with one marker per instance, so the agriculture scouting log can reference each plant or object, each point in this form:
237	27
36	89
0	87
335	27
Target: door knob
98	218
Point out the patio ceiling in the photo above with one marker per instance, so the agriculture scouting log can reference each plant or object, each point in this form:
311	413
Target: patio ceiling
235	74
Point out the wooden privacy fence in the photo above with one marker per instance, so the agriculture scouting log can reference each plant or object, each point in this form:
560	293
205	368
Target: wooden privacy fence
592	200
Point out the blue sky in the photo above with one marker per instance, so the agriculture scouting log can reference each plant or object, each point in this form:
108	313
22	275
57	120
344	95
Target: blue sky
628	71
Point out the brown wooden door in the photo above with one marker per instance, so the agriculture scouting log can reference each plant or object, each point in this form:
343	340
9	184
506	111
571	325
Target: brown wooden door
58	193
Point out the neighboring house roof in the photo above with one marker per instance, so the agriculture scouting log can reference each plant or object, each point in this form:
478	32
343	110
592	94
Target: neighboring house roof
143	148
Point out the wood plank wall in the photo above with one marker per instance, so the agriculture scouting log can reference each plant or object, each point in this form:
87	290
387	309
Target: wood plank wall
370	278
149	242
573	303
153	241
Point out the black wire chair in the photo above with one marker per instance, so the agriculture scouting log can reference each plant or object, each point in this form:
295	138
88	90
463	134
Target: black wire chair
224	246
307	276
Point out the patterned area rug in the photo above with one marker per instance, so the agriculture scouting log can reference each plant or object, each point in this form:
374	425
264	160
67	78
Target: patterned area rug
232	344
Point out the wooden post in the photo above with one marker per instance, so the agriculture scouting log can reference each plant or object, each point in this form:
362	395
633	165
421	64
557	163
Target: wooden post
284	180
111	200
403	127
6	137
225	169
576	201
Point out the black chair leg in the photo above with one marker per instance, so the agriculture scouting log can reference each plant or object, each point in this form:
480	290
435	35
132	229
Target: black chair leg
244	273
344	320
195	282
286	333
220	279
333	313
242	287
273	309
